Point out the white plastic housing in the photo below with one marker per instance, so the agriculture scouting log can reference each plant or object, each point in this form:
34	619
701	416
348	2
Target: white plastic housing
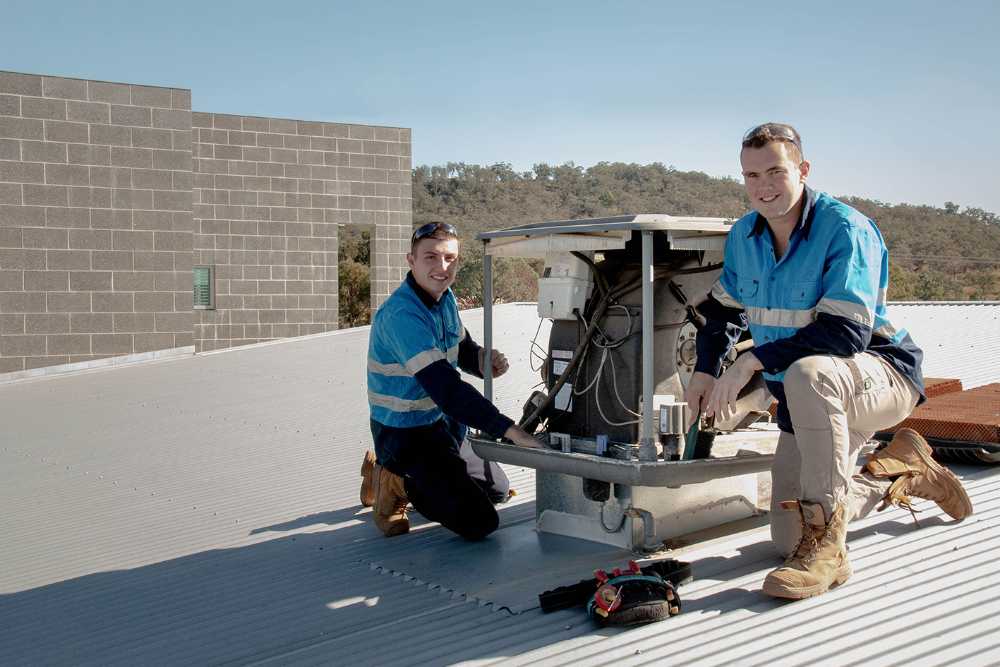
565	285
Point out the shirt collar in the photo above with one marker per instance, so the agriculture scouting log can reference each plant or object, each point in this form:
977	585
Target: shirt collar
805	222
425	298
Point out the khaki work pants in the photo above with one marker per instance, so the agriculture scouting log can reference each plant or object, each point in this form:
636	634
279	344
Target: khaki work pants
836	405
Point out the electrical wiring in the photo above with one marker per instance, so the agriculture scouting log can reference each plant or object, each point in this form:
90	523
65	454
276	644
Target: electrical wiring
600	411
597	391
536	351
599	308
597	376
614	384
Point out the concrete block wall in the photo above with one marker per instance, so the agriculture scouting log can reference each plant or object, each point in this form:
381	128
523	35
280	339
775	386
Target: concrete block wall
269	197
111	192
95	220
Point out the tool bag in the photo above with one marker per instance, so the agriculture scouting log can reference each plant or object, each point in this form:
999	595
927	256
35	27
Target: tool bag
639	595
632	598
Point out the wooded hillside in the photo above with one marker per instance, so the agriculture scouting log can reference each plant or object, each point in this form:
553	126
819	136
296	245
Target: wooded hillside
935	253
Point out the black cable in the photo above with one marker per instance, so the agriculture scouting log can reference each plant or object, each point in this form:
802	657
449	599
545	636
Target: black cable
602	283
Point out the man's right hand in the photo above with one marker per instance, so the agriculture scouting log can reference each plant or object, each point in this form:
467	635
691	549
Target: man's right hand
698	390
521	438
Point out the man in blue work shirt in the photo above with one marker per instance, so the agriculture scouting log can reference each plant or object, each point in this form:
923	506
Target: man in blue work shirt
421	407
809	275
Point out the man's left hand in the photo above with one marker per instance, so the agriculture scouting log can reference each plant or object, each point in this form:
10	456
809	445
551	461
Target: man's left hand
499	363
727	388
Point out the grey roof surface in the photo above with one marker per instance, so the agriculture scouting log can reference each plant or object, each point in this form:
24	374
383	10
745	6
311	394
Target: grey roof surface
960	339
204	511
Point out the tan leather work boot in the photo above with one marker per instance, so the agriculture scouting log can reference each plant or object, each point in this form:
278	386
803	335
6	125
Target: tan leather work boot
390	502
367	472
908	460
820	560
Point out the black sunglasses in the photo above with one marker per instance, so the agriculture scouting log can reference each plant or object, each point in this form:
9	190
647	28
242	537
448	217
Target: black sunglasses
432	228
772	132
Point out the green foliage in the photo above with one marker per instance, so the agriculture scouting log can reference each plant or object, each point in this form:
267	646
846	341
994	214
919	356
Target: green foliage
937	253
354	277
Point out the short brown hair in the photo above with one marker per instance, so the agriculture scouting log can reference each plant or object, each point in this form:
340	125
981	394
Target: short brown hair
433	230
767	133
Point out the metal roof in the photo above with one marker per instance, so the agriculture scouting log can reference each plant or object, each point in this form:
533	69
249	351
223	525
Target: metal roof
960	339
204	510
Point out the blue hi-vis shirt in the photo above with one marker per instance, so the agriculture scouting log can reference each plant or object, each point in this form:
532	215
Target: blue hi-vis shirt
407	337
825	295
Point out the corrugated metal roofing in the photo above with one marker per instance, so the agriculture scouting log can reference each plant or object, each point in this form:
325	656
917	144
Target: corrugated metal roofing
205	510
960	339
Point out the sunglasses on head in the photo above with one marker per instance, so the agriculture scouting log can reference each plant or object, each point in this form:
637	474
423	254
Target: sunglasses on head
773	132
432	228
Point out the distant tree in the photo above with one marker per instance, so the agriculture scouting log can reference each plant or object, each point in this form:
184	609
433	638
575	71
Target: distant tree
514	279
354	277
936	286
902	283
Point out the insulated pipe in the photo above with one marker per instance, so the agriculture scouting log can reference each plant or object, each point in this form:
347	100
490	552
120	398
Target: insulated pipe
487	323
647	450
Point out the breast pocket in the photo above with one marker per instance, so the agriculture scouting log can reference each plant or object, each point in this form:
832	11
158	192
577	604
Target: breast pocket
452	337
748	290
804	293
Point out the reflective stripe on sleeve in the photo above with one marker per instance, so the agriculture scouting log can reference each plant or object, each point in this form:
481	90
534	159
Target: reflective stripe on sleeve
422	360
781	317
722	296
856	312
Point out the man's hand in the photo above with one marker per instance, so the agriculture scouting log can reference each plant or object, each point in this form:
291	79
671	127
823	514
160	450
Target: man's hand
698	390
727	388
521	438
499	363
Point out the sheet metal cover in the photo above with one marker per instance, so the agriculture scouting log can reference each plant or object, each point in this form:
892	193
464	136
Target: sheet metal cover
643	221
506	570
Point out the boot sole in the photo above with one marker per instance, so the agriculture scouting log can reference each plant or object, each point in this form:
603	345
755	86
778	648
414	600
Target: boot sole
810	591
925	453
367	494
400	528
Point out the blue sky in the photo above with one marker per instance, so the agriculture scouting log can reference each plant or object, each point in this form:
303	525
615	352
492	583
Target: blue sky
896	100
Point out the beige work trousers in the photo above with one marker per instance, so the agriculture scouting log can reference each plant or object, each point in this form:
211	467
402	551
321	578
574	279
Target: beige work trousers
836	404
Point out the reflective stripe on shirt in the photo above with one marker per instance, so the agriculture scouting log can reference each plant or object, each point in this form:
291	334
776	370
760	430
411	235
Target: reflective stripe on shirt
401	404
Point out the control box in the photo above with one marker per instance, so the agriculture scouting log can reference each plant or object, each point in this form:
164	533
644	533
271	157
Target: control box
565	286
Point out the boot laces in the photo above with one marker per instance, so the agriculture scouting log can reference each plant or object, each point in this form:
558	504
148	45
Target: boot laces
897	495
808	545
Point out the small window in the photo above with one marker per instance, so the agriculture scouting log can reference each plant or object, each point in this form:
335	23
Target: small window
204	288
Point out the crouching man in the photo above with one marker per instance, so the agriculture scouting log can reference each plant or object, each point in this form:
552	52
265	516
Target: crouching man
809	275
420	406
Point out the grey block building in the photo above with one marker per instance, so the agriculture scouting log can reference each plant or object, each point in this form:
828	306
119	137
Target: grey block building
113	196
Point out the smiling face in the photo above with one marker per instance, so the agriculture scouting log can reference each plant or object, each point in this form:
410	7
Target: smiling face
774	180
434	263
